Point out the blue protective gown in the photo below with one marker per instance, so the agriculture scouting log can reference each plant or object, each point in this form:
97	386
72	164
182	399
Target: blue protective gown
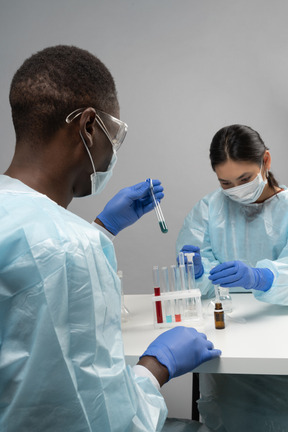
256	234
62	364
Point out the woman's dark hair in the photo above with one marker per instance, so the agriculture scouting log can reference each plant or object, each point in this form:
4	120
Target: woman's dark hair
239	143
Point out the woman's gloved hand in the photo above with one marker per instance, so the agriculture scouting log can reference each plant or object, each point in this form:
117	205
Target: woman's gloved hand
198	266
181	350
128	205
238	274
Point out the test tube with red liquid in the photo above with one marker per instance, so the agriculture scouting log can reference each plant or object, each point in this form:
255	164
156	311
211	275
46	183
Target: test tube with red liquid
157	292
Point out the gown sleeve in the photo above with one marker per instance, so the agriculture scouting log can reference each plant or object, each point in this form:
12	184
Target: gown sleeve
62	358
278	293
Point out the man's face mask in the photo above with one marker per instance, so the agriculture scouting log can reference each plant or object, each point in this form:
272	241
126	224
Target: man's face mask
248	192
100	179
115	130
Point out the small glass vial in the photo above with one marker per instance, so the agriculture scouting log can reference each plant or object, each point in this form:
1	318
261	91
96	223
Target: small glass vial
226	299
219	316
124	311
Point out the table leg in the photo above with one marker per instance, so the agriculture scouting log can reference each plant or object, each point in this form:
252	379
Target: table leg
195	396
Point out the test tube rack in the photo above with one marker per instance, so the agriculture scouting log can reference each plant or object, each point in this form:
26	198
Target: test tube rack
177	308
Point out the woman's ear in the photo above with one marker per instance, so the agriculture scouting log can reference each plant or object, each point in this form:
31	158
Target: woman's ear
267	160
87	125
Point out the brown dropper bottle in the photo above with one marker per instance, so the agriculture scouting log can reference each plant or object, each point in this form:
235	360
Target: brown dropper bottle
219	316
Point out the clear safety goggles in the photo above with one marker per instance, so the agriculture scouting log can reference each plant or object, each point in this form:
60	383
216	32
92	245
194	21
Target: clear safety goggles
114	129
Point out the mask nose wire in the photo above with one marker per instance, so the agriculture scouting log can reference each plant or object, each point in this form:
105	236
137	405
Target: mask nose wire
88	151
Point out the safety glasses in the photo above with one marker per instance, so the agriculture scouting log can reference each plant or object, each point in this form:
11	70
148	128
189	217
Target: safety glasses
114	129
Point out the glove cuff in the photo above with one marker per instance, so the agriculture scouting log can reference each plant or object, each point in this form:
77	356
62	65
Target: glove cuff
161	356
263	279
106	224
200	273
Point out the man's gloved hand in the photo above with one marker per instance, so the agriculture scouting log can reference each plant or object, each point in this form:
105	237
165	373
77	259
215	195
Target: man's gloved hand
128	205
198	266
238	274
181	350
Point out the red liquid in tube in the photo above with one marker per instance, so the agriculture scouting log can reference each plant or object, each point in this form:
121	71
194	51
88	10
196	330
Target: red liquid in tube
158	305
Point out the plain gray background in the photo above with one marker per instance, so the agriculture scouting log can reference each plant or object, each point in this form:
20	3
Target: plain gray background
183	69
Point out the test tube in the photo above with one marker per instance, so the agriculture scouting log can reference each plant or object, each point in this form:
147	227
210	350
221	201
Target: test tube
190	271
158	211
190	283
166	287
182	270
183	280
158	304
195	305
176	287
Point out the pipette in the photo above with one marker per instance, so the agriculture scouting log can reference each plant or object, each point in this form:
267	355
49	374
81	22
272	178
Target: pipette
217	294
158	211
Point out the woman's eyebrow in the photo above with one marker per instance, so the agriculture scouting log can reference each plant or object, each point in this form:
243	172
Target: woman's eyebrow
244	175
238	178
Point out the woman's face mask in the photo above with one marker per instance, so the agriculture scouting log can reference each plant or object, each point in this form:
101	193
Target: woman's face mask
248	192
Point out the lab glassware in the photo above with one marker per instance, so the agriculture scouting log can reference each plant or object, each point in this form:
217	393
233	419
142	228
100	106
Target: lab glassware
157	294
178	303
158	211
124	311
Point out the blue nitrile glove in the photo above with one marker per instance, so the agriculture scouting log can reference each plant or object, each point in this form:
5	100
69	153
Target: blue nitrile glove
181	350
128	205
238	274
198	266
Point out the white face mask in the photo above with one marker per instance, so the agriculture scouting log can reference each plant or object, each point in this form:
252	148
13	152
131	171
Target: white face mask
100	179
248	192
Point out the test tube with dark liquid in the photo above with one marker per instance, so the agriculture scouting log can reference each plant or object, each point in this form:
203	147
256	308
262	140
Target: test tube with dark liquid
158	211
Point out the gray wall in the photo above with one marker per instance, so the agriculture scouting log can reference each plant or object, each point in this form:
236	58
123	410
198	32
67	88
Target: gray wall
183	69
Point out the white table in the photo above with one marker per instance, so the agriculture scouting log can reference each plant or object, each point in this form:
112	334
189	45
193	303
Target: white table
257	344
253	342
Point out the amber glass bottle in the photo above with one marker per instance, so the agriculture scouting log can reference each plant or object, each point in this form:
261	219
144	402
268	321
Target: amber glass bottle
219	316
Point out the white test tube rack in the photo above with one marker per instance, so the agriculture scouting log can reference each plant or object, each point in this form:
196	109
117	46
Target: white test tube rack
185	308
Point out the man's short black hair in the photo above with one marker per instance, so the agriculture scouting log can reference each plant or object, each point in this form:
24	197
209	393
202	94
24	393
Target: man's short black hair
54	82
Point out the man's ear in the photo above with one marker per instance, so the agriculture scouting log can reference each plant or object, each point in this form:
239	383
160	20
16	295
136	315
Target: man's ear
87	125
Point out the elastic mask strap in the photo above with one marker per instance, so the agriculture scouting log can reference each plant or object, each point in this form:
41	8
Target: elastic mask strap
88	151
266	173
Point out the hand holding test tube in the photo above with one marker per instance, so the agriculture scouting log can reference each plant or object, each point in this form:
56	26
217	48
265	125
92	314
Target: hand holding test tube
158	210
